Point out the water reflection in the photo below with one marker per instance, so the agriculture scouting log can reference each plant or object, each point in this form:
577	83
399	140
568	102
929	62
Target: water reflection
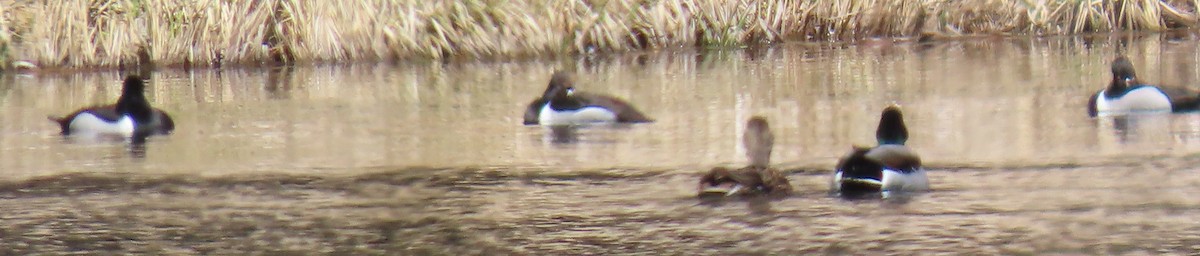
431	158
759	205
6	86
563	134
1137	128
278	84
135	146
1157	130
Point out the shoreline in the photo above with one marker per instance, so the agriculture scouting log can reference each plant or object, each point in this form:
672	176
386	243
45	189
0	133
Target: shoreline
117	34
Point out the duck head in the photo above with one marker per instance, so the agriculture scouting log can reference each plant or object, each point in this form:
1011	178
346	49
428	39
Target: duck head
561	85
148	121
133	100
891	128
1123	76
758	141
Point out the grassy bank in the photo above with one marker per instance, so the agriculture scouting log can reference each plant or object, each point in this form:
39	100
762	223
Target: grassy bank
114	33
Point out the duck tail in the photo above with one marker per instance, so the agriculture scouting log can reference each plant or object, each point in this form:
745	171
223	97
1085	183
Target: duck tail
62	122
710	183
859	173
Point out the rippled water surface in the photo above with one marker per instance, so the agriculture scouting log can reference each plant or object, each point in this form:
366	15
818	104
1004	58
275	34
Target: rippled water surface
428	159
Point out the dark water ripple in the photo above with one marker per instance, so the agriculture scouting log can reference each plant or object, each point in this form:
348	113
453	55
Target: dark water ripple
496	211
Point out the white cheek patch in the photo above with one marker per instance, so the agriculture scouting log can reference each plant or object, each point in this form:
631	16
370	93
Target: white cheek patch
88	124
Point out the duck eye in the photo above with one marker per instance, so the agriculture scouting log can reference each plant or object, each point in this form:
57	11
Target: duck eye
570	91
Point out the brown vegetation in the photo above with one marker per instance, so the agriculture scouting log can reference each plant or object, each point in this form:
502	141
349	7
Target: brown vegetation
112	33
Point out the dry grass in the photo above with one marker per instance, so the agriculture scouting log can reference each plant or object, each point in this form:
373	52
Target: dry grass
117	33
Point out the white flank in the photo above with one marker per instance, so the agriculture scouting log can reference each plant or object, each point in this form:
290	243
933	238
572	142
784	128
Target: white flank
1143	99
894	180
736	188
88	124
838	180
836	183
587	115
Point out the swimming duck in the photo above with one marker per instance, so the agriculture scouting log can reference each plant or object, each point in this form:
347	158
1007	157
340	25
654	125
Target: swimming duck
890	166
560	104
131	116
1125	93
758	177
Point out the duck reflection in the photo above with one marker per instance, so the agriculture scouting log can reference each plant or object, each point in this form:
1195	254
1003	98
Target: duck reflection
589	133
1134	129
759	205
135	146
563	134
279	82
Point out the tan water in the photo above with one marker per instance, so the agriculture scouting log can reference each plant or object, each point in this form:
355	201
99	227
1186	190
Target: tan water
428	159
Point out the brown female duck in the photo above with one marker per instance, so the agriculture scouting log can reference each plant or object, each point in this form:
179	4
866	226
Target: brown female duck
758	177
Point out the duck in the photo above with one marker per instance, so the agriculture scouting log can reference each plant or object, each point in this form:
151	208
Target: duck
560	104
889	166
131	117
1126	94
758	178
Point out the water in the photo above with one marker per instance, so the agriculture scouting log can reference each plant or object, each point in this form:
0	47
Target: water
428	159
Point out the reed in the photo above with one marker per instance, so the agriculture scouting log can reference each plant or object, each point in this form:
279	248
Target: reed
124	33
